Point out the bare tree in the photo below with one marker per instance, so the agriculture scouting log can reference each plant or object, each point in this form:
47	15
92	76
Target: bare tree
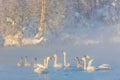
42	19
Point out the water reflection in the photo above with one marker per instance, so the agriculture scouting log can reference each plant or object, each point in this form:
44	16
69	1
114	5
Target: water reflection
44	76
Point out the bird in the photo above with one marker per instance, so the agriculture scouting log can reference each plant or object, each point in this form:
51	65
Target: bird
20	63
56	65
66	65
84	63
40	68
79	65
27	64
104	67
88	68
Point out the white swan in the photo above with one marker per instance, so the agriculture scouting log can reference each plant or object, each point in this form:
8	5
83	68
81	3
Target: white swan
41	68
27	64
84	65
104	67
56	65
88	68
79	65
20	63
65	64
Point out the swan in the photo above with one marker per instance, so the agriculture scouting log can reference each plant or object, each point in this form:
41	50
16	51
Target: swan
20	63
104	67
88	68
41	68
84	65
27	64
79	65
46	61
65	64
56	65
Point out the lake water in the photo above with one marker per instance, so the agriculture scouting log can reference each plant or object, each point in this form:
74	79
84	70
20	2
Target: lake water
10	56
15	73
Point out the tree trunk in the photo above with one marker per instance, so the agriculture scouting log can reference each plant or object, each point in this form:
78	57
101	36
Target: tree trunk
42	19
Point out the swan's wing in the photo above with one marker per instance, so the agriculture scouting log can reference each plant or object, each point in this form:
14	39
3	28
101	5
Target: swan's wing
90	62
40	65
104	65
39	70
19	64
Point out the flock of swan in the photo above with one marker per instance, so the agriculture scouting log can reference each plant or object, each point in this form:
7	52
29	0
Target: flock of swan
40	68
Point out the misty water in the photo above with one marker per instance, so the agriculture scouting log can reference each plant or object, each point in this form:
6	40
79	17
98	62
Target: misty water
108	54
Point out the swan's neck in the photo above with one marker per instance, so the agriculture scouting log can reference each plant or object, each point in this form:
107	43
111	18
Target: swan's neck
55	61
85	65
21	61
46	63
78	62
64	60
26	61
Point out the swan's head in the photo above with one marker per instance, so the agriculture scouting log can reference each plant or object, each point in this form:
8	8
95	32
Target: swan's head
87	56
55	55
83	59
49	58
64	53
76	58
